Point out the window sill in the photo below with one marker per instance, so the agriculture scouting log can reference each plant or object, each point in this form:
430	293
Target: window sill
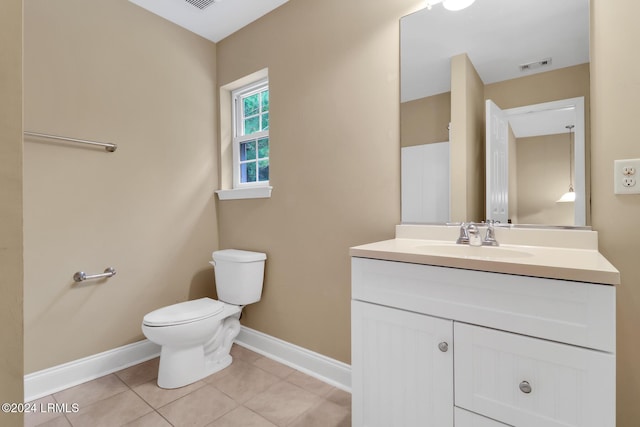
245	193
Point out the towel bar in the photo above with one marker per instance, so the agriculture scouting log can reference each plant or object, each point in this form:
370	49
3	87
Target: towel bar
107	145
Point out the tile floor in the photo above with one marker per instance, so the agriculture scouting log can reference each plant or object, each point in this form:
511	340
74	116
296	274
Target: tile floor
253	392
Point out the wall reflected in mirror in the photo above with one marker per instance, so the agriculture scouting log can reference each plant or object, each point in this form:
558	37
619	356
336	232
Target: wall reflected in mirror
498	36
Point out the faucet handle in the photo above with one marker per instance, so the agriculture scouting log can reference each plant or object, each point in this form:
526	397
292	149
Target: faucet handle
490	236
464	234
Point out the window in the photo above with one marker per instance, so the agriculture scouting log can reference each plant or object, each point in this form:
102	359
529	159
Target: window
244	138
251	135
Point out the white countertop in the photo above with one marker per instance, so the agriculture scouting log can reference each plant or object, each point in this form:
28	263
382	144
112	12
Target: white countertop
567	254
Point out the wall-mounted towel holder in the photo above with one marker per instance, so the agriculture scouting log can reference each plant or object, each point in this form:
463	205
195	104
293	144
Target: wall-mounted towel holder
81	276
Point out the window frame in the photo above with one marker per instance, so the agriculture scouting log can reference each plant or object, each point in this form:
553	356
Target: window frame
238	129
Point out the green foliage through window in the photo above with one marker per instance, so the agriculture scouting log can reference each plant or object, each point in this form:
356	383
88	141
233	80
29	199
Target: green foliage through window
254	164
255	112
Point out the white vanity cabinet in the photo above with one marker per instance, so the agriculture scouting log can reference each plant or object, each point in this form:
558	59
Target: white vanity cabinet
439	346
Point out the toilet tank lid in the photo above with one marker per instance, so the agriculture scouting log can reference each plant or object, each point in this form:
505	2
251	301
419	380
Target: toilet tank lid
237	255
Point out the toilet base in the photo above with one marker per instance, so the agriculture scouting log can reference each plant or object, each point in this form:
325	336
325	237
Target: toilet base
181	368
184	365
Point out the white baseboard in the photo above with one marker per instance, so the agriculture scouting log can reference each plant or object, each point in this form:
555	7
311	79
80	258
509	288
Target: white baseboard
43	383
317	365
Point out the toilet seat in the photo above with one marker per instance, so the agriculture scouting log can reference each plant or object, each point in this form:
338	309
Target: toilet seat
184	312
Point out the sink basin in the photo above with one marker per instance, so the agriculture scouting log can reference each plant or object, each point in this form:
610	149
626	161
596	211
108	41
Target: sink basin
466	251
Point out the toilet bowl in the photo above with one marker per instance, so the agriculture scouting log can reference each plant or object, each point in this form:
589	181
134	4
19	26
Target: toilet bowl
196	336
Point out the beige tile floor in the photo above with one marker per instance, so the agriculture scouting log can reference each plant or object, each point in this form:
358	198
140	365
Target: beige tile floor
253	392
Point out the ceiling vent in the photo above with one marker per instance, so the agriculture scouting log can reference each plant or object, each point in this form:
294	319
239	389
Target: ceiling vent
201	4
536	64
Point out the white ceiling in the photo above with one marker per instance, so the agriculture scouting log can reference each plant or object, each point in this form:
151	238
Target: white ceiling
546	122
497	35
216	21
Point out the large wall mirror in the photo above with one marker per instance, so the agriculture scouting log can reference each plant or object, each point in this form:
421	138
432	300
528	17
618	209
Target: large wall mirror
530	58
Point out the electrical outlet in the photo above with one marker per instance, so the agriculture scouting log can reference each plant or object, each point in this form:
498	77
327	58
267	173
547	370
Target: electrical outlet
626	174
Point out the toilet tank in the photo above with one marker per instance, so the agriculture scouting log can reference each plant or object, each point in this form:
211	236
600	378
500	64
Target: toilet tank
239	275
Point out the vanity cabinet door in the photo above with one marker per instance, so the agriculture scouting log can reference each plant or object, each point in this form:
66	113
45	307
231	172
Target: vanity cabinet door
529	382
402	368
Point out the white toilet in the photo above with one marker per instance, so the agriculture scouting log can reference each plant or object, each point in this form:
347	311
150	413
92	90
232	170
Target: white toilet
196	336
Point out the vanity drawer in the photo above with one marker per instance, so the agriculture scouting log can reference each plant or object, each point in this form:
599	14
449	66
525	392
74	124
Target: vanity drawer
573	312
528	382
469	419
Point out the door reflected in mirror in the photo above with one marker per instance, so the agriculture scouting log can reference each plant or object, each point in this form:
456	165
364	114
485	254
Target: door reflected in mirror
499	38
530	153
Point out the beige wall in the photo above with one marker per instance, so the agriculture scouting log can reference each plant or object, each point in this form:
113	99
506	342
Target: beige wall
306	282
11	303
615	91
425	120
542	163
467	141
111	71
569	82
335	159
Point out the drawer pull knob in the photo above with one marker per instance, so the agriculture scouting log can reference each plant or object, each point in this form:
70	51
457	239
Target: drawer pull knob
443	346
525	387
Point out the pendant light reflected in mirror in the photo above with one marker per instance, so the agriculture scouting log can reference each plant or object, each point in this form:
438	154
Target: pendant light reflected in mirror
569	196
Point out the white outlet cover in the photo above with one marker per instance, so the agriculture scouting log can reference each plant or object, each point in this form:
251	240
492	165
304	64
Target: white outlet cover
619	176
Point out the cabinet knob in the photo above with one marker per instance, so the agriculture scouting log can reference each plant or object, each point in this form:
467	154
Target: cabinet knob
525	387
443	346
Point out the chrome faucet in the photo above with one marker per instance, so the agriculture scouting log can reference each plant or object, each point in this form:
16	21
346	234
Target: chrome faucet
470	234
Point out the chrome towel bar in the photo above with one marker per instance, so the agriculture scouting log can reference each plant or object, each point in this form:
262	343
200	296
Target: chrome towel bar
81	276
107	145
